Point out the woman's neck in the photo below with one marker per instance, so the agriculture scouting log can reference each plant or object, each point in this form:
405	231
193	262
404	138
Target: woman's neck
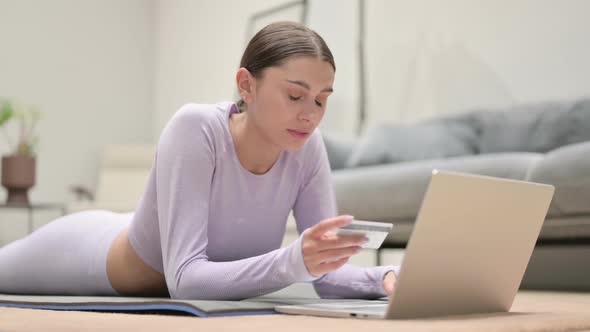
255	152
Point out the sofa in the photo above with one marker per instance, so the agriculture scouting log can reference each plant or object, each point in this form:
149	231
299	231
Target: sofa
383	175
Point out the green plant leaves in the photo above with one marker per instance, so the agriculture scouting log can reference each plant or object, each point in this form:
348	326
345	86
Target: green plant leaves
6	111
27	116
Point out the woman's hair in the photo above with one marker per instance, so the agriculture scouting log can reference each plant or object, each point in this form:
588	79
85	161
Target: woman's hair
277	42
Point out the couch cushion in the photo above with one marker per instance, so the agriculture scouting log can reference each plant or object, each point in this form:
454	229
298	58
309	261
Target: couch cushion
537	127
568	169
579	116
395	191
338	150
555	229
440	138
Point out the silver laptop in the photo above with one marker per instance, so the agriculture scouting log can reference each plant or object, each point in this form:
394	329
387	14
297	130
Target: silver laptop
472	241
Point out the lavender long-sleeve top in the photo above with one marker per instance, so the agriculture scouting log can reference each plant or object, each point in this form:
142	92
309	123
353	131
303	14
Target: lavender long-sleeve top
215	230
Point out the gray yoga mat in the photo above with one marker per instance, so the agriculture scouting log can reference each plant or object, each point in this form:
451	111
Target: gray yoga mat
264	305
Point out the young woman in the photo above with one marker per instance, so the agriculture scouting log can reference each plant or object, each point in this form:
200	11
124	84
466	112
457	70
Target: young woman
212	218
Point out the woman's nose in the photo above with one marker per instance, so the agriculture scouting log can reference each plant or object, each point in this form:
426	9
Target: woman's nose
306	116
309	113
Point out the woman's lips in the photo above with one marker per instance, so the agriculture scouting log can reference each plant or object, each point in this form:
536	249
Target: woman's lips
298	134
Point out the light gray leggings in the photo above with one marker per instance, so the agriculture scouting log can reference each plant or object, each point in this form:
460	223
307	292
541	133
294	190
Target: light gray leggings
64	257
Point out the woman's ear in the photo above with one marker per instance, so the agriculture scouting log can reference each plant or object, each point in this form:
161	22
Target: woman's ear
246	85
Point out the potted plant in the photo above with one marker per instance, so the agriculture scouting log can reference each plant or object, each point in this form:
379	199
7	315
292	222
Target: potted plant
18	166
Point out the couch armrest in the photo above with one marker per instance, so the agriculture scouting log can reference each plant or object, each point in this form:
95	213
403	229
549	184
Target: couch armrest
568	169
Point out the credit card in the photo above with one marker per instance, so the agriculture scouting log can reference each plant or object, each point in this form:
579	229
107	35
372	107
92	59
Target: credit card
375	231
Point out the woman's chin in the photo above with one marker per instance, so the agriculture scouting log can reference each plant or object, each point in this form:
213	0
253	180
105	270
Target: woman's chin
292	143
294	146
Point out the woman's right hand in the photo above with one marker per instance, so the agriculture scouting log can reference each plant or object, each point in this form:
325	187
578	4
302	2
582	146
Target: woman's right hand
324	251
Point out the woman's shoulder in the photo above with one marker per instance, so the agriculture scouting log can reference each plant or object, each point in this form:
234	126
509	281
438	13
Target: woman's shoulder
193	123
201	112
204	118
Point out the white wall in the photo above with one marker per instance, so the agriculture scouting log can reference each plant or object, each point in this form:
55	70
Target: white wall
435	57
337	22
199	46
424	57
88	65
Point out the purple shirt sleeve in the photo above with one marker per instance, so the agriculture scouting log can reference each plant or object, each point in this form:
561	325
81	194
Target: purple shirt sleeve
184	168
316	202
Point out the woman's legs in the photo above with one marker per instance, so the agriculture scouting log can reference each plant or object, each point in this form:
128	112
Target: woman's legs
65	257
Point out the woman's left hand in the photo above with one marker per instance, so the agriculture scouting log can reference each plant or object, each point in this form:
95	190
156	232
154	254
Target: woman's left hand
389	282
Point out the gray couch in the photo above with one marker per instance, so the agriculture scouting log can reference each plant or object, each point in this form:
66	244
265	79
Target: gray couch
383	176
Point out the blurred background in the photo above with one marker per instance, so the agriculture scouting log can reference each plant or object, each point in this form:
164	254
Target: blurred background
105	72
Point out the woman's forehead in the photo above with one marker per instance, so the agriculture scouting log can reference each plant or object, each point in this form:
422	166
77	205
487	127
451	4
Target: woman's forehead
307	72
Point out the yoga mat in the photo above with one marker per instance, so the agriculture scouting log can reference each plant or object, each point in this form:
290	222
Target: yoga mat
263	305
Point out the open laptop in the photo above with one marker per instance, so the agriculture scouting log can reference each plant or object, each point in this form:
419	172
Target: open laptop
472	241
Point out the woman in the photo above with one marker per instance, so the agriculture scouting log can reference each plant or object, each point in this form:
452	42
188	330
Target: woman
224	179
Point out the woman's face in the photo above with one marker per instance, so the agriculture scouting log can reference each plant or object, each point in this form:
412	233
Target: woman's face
289	101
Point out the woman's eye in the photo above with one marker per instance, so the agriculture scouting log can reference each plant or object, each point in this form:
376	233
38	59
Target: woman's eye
294	98
318	103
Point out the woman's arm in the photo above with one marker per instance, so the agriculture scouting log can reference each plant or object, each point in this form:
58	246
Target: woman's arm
185	163
316	202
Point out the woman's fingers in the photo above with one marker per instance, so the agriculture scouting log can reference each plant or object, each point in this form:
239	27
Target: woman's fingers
340	242
327	256
324	251
325	225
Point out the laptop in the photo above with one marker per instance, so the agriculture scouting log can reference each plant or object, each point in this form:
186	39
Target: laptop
472	241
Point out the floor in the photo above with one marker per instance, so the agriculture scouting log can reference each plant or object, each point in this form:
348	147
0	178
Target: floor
532	311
